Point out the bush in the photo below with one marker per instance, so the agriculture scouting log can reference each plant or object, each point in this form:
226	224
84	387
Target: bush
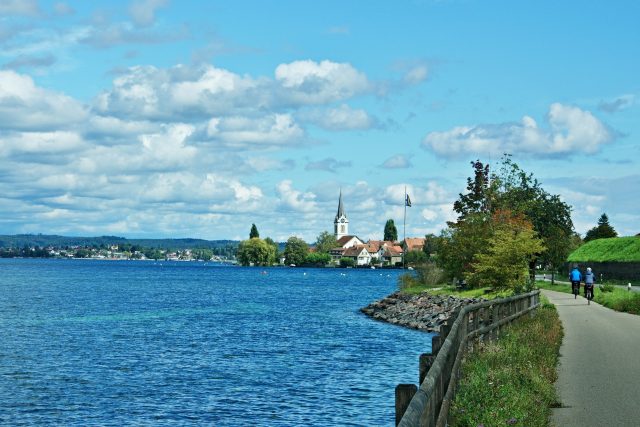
607	288
347	262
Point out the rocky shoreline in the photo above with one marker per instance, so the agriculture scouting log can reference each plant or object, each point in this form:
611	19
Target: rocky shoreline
423	311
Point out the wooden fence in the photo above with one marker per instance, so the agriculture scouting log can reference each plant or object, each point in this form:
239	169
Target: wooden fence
429	404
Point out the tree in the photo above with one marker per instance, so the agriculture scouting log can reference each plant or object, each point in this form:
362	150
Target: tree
254	232
431	245
511	247
603	230
460	242
318	258
295	251
274	245
325	242
255	251
477	199
414	258
390	231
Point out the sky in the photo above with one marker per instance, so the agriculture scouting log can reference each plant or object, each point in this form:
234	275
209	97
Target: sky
172	119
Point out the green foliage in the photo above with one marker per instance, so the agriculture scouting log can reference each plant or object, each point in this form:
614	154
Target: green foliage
295	251
431	245
390	231
414	258
347	262
512	380
603	230
477	198
255	251
318	259
325	242
616	249
460	243
254	232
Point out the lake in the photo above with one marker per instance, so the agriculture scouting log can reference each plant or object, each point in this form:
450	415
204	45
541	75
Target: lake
86	342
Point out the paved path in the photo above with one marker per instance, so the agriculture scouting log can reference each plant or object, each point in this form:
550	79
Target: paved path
599	372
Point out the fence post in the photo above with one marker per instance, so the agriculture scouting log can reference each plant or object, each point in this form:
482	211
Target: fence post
436	343
425	363
404	394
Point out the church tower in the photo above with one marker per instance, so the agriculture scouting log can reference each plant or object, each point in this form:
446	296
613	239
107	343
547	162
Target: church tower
341	223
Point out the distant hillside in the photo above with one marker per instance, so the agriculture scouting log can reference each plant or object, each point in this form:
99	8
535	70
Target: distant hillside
616	249
43	240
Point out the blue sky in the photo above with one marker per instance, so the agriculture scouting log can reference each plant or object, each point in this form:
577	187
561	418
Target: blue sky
159	118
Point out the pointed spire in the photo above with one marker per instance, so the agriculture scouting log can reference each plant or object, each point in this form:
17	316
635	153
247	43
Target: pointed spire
340	207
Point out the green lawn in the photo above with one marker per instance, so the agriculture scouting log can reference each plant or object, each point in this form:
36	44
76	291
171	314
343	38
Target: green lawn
616	249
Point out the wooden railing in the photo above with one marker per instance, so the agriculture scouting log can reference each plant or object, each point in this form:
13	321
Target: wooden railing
429	404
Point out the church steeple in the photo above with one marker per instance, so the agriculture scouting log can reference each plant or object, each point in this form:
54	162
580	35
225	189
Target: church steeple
341	223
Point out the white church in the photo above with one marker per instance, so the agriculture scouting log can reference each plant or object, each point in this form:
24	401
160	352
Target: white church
351	246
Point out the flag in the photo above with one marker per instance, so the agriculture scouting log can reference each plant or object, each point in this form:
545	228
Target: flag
407	201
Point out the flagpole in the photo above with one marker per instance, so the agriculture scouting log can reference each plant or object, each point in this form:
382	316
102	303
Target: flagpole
404	227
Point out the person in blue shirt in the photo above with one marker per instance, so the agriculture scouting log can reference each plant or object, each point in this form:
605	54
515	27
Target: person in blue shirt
589	280
575	277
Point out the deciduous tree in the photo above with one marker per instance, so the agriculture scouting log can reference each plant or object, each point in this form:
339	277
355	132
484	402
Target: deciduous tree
295	251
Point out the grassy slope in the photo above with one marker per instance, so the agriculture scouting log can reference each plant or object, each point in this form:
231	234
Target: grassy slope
620	249
511	381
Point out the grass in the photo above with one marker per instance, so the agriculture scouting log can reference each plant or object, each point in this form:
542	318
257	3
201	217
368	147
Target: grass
486	293
616	249
511	381
618	299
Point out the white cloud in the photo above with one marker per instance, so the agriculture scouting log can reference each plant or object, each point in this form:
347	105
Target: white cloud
329	164
143	12
340	118
398	161
310	82
416	74
571	130
292	199
41	146
431	193
25	106
268	131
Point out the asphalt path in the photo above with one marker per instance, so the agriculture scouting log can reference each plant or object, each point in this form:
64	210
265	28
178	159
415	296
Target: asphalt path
599	371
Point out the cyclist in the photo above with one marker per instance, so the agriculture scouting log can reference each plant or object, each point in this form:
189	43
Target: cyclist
589	280
575	276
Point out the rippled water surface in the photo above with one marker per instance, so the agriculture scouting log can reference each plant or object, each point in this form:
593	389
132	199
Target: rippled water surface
144	343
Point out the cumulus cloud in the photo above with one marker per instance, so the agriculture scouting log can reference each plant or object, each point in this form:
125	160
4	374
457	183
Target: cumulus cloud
310	82
618	104
292	199
571	130
329	165
340	118
399	161
143	12
263	132
25	106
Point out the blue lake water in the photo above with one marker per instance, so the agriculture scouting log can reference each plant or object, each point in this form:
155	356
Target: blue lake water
142	343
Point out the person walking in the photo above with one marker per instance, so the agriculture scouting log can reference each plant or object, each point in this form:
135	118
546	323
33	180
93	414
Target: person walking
589	280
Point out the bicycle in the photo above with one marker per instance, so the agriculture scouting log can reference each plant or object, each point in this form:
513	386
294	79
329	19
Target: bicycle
589	293
575	289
